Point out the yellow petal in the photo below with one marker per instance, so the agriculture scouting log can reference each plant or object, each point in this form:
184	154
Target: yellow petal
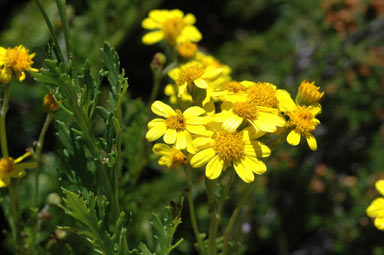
214	168
257	149
149	23
200	83
315	110
379	223
247	84
156	122
380	186
161	109
20	75
159	15
263	125
232	123
161	149
153	37
190	33
197	129
196	121
293	138
244	173
286	103
276	120
203	142
376	208
4	181
189	19
255	165
182	89
213	74
181	140
170	136
21	158
193	111
165	161
155	133
202	157
191	148
311	140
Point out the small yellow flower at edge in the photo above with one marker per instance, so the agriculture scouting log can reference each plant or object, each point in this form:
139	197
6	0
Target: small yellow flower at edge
376	208
176	126
301	122
170	25
12	168
18	59
171	157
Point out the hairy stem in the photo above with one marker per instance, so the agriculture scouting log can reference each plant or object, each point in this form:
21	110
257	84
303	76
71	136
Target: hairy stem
213	218
3	129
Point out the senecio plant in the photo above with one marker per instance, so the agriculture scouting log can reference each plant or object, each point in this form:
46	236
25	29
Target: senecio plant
213	126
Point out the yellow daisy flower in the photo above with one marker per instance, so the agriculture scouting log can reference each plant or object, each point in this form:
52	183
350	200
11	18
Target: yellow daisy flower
308	93
171	157
223	149
301	122
193	74
176	127
170	25
17	59
261	118
12	168
376	208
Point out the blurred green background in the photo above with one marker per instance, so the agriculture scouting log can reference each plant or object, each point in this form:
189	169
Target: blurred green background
307	202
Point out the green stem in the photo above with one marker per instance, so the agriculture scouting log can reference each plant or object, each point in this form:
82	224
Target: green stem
56	46
233	218
68	41
15	216
224	196
158	76
213	218
192	211
37	157
3	129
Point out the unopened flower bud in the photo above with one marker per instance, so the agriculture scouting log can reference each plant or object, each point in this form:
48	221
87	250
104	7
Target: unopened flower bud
49	103
159	60
5	75
54	199
308	93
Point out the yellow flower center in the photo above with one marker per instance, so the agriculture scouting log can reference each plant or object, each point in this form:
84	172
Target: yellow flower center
172	28
178	158
301	120
176	121
263	94
233	86
18	59
246	110
309	93
187	49
229	147
189	74
6	165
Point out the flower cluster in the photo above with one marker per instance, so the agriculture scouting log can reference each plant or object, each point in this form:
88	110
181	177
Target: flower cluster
16	59
376	208
220	122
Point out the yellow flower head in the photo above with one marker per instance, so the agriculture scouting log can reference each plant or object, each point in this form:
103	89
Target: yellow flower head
170	25
187	49
261	118
10	167
50	104
18	59
171	157
5	74
308	94
176	126
193	74
302	120
376	208
223	149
